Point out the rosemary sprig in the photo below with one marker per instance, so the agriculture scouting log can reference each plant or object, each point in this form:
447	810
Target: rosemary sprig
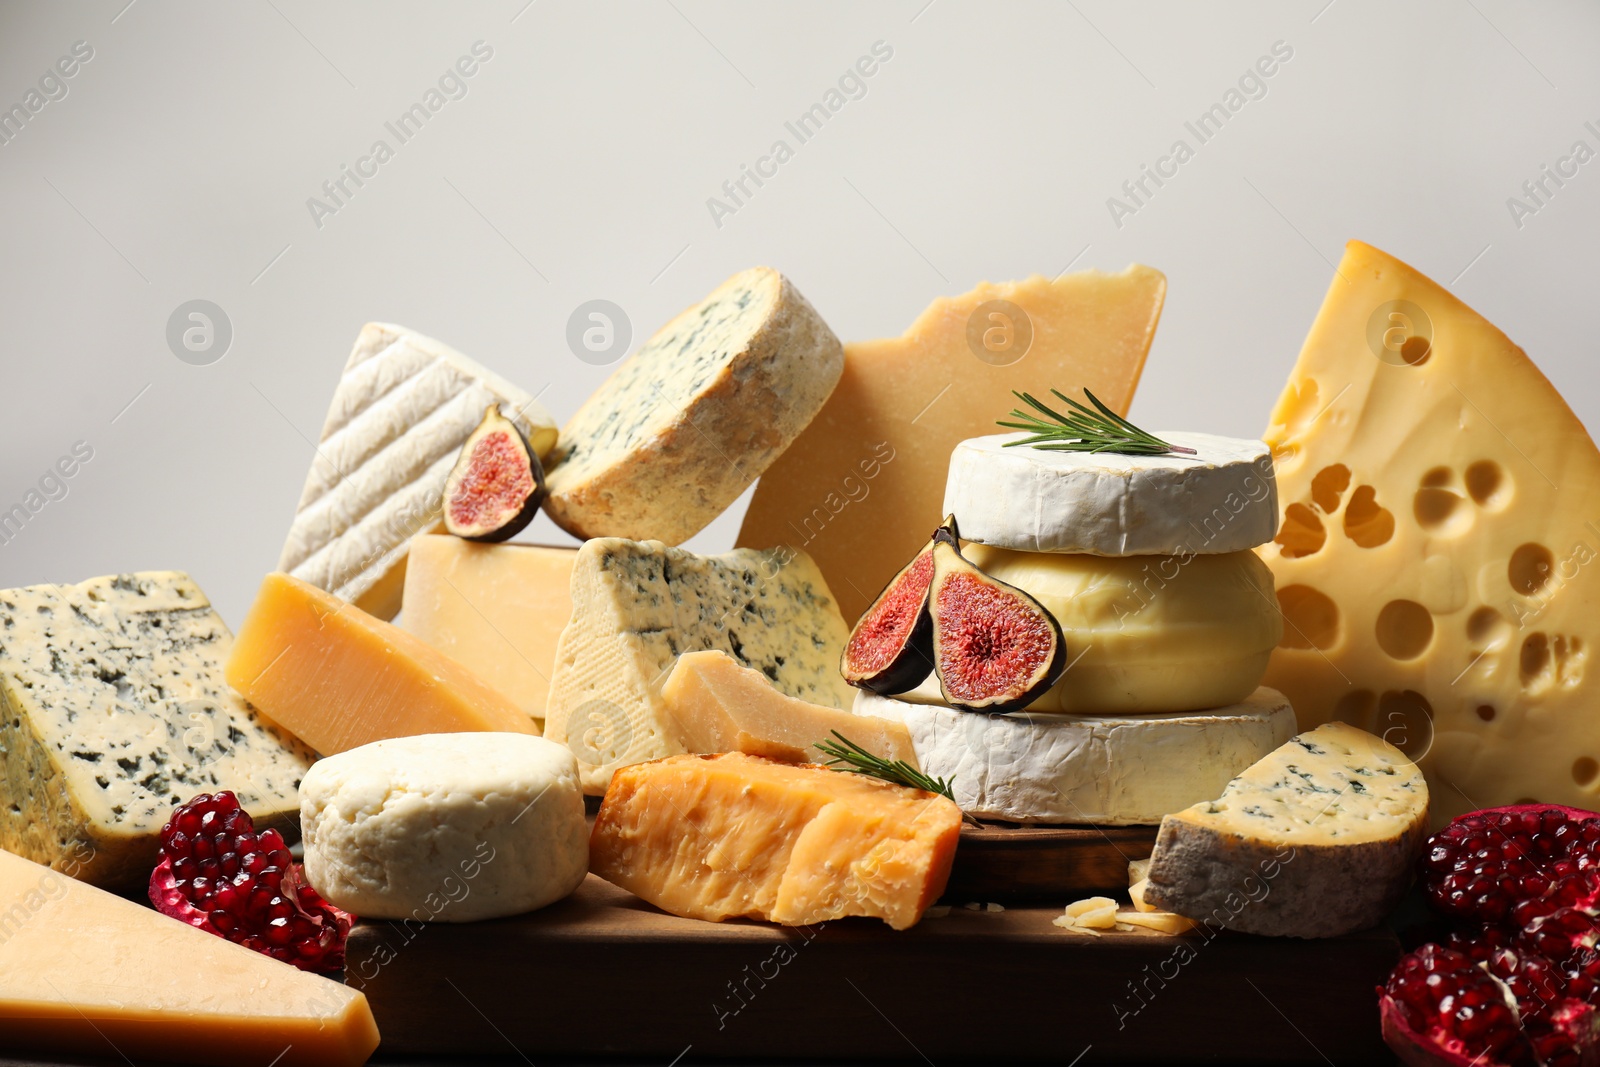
858	760
1085	430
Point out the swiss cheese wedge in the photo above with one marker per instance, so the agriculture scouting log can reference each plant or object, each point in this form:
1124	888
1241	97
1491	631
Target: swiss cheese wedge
1436	562
862	486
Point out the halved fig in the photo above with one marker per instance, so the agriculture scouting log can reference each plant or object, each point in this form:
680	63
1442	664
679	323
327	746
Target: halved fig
497	484
891	648
995	648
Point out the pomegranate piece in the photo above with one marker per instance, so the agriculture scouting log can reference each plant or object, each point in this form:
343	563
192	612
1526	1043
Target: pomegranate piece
1440	1008
218	875
1484	864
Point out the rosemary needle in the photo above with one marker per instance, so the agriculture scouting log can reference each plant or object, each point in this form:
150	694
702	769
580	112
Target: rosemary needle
859	761
1085	430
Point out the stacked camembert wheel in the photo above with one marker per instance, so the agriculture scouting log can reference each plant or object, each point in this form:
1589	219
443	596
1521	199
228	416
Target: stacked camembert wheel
1167	616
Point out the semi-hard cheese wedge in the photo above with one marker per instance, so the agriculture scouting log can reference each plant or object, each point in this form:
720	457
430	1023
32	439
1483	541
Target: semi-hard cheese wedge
1436	561
340	678
1317	839
404	406
1127	770
736	836
691	419
87	973
498	610
113	709
861	488
1220	499
1144	634
716	705
637	606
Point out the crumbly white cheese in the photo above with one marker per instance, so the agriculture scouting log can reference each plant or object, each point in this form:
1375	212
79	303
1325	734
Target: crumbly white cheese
113	710
402	410
445	827
1223	499
1127	770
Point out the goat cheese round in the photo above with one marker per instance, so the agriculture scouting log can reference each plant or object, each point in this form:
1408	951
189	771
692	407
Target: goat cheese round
445	827
1221	499
1028	767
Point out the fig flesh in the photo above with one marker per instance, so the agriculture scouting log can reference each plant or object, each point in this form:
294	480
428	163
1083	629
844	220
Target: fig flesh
497	483
995	648
891	648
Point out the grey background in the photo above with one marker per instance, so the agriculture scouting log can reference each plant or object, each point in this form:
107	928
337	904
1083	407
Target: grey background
578	166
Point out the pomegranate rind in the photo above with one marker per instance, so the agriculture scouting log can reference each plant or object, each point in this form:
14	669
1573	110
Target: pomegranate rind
890	650
1412	1048
169	900
497	483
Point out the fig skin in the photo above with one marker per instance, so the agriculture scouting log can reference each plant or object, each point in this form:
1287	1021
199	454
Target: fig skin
510	522
950	564
914	659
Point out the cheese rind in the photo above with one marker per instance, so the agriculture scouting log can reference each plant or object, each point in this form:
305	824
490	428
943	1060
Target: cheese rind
403	408
498	610
637	606
697	414
861	487
445	827
718	706
113	710
730	836
84	972
340	678
1222	499
1028	767
1318	839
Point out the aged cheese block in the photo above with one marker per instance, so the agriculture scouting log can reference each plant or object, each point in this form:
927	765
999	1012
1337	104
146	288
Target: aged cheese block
1028	767
861	488
716	705
1435	563
1221	499
402	410
113	709
736	836
340	678
445	827
638	606
692	418
1145	633
495	609
86	973
1318	839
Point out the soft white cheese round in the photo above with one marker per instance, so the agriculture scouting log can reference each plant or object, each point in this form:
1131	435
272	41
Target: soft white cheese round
1061	769
1223	499
445	827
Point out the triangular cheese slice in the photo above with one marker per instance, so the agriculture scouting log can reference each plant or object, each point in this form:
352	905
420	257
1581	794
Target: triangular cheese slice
861	488
84	972
1435	562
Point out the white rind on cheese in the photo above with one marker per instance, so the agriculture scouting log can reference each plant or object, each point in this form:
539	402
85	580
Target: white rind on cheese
697	414
1027	767
404	406
1318	839
637	606
114	710
1223	499
445	827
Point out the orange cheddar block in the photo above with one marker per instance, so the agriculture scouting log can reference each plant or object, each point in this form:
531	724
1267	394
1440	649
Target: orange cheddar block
720	706
84	972
337	678
737	836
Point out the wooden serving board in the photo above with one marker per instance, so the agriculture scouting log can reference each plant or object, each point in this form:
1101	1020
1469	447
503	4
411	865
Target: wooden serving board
1004	862
604	974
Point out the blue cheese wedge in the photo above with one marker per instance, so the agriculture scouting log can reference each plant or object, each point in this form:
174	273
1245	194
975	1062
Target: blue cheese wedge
638	606
113	710
1317	839
692	419
402	410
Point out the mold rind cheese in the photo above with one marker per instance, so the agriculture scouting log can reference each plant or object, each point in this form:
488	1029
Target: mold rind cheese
113	709
697	414
1221	499
1317	839
1128	770
638	606
404	406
